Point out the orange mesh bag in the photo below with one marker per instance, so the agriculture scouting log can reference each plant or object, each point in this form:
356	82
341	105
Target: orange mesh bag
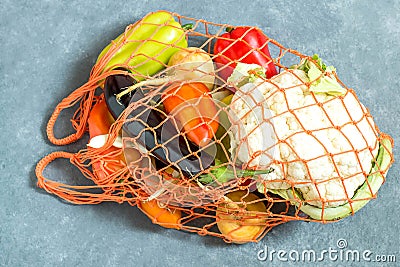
207	142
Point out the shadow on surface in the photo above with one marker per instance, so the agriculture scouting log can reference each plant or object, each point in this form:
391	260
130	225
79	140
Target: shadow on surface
77	76
129	215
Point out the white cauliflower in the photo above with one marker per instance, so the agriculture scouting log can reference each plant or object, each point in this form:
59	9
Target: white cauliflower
320	144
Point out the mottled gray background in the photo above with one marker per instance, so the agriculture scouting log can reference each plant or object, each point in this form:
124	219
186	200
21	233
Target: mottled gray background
48	49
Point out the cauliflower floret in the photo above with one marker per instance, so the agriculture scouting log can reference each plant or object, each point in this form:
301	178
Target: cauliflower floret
320	144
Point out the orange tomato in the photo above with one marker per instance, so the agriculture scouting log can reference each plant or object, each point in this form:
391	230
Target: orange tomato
166	217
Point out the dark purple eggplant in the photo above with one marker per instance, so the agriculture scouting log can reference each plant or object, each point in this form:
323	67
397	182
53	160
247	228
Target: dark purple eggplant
113	85
165	143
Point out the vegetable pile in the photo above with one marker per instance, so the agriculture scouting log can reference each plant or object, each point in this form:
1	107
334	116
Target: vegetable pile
219	138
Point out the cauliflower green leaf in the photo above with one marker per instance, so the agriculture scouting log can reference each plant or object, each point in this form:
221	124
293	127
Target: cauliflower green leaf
322	77
223	174
246	73
361	197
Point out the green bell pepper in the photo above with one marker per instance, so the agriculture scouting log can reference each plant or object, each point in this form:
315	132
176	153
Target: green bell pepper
146	45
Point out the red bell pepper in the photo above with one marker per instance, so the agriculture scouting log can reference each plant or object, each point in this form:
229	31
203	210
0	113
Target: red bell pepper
194	109
244	44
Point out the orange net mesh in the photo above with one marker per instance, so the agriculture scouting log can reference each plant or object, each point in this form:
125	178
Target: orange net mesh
325	154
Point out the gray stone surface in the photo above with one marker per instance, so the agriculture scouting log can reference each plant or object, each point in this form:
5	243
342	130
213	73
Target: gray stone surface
48	48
